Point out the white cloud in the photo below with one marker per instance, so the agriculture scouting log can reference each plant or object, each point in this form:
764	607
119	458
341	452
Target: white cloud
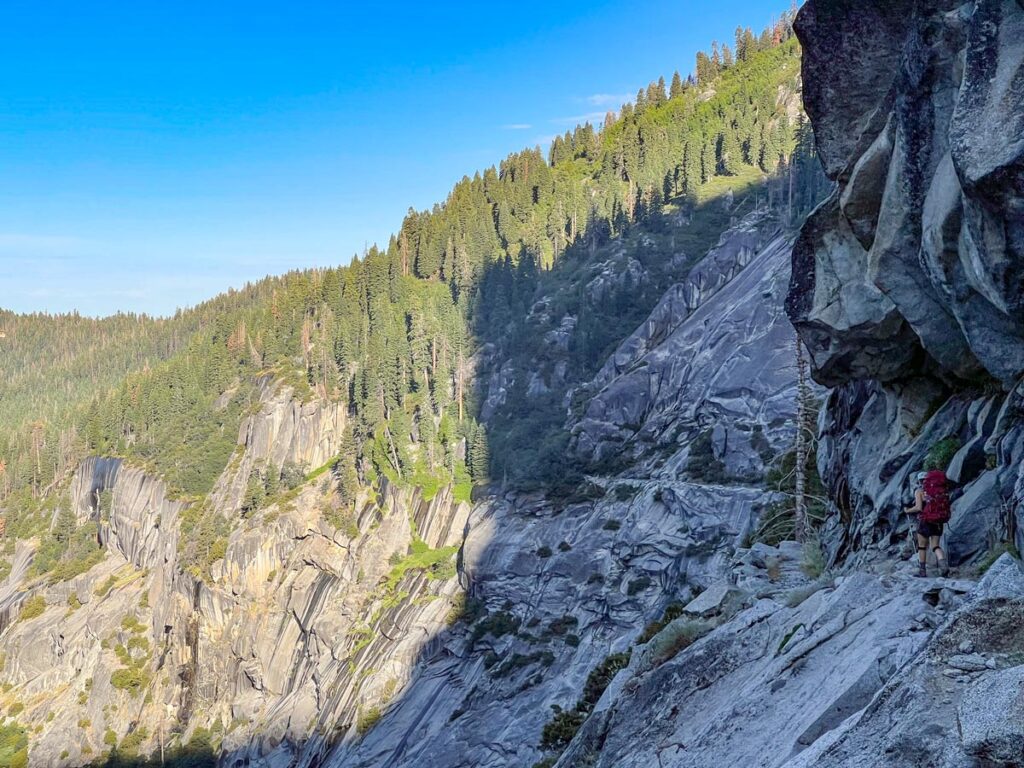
516	127
608	99
589	117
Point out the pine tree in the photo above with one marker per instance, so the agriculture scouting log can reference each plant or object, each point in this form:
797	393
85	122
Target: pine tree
730	152
641	100
692	165
479	456
727	59
803	426
705	69
676	88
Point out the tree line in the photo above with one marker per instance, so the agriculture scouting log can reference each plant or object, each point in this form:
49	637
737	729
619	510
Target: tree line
405	333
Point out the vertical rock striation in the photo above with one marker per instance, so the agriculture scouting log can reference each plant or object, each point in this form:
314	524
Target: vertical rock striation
908	283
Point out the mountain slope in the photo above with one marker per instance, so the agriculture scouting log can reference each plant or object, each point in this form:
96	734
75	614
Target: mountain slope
268	537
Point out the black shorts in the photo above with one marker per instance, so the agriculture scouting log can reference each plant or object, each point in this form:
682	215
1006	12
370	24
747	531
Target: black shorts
929	529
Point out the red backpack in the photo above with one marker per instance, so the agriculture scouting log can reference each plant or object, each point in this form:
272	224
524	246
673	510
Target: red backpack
936	498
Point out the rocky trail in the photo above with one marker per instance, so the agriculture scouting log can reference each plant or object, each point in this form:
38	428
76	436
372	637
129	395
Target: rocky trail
866	669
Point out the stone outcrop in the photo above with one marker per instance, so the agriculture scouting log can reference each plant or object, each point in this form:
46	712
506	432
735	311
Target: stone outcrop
679	375
283	431
906	284
917	109
857	674
295	631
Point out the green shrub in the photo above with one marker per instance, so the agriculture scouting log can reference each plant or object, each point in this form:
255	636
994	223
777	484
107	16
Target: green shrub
465	610
786	638
601	676
518	661
672	611
131	743
104	589
812	562
340	517
625	492
13	745
560	626
132	624
674	638
941	453
131	679
110	738
544	552
799	595
367	719
611	525
997	551
435	562
16	709
638	585
496	625
561	729
701	463
32	608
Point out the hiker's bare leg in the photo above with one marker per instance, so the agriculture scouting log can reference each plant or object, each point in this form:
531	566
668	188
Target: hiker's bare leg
933	542
922	549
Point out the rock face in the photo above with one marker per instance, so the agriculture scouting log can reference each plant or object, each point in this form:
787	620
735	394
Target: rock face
991	717
855	675
298	629
679	375
917	109
906	284
283	431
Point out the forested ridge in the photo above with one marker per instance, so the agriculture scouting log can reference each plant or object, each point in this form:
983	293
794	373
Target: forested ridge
406	333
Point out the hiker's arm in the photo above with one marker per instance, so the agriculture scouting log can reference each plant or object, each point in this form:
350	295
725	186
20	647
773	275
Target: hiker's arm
918	503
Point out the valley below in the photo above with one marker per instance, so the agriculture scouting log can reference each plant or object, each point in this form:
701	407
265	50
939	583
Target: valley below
621	496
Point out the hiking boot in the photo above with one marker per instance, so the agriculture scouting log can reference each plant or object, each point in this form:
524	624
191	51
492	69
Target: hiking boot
944	568
922	571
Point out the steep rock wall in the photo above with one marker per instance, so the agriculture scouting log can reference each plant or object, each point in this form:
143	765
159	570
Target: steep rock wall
716	353
296	632
907	283
283	431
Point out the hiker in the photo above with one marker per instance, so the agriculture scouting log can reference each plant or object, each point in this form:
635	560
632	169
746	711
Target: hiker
931	505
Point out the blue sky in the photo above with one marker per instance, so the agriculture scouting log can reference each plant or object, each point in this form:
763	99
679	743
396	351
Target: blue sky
154	154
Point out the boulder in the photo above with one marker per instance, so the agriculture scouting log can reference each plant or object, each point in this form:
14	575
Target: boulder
715	599
991	718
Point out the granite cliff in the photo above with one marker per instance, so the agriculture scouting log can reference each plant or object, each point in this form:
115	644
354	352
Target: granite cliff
635	621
